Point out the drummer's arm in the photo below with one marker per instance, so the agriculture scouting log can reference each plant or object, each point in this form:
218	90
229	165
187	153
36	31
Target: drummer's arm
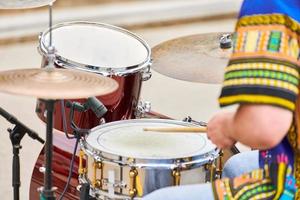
259	126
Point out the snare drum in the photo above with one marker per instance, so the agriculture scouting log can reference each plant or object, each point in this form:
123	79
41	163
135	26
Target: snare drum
105	50
125	162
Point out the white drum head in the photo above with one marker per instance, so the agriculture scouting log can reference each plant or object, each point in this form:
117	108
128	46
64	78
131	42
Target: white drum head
97	45
128	139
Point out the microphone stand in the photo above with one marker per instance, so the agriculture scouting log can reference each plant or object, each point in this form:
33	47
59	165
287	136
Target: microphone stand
16	134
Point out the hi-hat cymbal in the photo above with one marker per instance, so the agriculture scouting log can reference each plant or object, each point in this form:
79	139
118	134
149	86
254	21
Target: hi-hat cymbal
21	4
55	83
195	58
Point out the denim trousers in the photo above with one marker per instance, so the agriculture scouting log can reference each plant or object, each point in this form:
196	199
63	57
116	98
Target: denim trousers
235	166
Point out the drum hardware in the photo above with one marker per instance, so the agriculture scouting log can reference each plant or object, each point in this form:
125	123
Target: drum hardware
47	192
142	109
190	119
42	169
226	41
176	175
98	182
102	49
133	173
116	184
155	115
211	172
146	73
84	192
82	170
219	170
196	58
16	135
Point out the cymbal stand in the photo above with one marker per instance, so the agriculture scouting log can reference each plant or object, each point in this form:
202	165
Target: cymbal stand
47	192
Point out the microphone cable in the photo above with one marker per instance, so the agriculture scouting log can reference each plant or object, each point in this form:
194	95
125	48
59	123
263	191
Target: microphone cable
77	135
64	118
70	168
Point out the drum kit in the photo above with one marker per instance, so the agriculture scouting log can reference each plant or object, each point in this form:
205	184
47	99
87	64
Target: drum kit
120	156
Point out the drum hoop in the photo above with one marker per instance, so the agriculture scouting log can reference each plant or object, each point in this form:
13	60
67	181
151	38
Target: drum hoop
105	71
182	163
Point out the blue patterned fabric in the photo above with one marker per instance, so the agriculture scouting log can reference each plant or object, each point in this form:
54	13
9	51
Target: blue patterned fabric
290	8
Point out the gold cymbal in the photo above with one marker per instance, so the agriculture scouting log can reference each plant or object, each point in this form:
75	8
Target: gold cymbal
195	58
21	4
55	83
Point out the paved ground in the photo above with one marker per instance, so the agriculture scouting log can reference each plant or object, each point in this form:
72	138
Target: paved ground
169	96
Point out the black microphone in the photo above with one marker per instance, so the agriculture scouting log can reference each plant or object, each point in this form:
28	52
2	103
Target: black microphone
92	103
12	119
96	106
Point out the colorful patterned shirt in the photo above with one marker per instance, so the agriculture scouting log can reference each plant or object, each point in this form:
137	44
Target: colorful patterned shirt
264	69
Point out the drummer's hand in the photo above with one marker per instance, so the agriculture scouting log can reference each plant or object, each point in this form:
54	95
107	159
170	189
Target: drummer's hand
218	129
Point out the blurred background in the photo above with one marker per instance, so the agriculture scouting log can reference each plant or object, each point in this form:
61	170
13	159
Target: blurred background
153	20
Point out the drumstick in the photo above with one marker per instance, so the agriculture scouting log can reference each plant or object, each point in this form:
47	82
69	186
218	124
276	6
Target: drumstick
178	129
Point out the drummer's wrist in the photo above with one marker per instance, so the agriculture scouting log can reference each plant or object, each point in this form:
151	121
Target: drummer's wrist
229	126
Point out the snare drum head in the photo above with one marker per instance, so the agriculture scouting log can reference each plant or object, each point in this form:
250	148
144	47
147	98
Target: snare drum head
91	46
128	139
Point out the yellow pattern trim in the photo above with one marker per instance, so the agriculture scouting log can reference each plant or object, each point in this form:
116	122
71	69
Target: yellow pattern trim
269	19
227	188
280	182
257	99
263	82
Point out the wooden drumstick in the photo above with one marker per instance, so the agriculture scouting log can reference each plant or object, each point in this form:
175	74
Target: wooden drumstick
178	129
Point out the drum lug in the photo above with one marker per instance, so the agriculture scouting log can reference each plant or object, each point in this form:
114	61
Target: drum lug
219	170
97	183
176	176
146	73
81	169
132	175
142	109
210	172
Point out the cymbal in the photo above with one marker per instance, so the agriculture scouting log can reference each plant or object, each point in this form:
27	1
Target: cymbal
194	58
55	83
20	4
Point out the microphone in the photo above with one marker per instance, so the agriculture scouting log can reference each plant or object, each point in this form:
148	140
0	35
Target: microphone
12	119
96	106
92	103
